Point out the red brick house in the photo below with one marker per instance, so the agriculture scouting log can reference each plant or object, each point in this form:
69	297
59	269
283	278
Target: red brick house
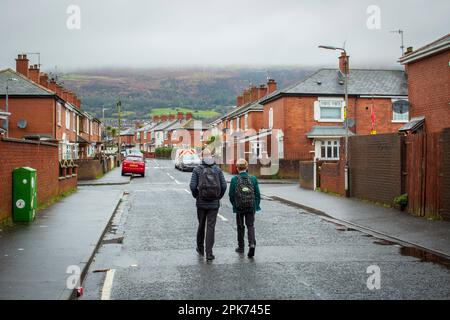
309	115
428	70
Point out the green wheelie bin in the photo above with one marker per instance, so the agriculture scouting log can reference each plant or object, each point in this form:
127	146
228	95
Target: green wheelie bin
24	194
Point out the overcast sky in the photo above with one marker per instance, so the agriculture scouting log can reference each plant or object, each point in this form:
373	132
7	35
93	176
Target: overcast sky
159	33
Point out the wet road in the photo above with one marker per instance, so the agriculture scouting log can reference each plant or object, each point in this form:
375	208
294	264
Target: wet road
299	254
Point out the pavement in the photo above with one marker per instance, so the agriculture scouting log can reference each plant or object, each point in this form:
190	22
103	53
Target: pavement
114	177
432	236
149	253
35	257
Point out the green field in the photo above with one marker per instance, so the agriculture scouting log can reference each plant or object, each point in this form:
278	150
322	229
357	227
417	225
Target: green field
198	114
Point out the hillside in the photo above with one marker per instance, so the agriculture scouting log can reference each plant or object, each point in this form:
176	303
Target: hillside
154	91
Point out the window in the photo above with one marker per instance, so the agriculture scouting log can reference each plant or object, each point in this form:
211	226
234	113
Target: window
270	118
400	111
138	135
174	134
145	135
74	123
246	121
238	123
58	108
329	110
256	149
329	149
231	126
280	145
166	135
67	119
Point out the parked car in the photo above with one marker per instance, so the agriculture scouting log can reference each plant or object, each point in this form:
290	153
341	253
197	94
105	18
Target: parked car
180	153
188	162
134	164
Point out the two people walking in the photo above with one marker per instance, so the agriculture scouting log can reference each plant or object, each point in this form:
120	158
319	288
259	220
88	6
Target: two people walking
208	187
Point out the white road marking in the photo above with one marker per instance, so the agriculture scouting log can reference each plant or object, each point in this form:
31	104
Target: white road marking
222	217
177	182
107	285
187	191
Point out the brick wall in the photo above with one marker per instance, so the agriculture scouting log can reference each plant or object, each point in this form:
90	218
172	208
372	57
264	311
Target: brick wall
375	167
38	155
38	112
429	90
89	169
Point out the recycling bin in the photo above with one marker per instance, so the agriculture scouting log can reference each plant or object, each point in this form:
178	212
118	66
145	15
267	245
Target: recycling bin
24	194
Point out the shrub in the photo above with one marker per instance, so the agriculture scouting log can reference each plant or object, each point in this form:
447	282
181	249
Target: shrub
401	200
163	152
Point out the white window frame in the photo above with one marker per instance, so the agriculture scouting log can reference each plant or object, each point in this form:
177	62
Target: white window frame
138	135
393	112
58	109
246	121
74	124
328	143
318	113
231	126
166	135
280	139
174	134
271	118
67	119
238	124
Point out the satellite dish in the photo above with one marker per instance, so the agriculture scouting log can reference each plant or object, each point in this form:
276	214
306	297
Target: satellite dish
22	124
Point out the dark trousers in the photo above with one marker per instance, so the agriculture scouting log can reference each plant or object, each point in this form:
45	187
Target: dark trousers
249	220
206	219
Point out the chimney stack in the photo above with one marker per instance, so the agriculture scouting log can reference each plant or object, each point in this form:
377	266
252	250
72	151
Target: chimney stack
254	93
271	86
239	101
164	118
43	80
22	64
344	63
262	91
65	95
52	85
171	117
33	73
59	90
156	118
189	116
247	96
180	116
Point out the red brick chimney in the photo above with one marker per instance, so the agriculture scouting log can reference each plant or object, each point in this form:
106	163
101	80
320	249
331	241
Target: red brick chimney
22	64
271	85
180	116
156	118
43	80
239	101
33	73
52	85
262	91
189	116
65	95
171	117
254	93
164	117
59	90
247	96
344	63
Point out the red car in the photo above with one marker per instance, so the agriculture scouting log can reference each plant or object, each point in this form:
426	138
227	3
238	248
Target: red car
134	164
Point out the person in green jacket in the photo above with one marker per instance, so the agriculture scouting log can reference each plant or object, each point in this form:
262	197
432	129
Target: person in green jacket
246	198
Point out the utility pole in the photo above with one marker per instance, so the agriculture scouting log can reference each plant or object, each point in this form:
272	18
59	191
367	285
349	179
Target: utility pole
119	115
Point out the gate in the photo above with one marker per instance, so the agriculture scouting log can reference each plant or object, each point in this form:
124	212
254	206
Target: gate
423	173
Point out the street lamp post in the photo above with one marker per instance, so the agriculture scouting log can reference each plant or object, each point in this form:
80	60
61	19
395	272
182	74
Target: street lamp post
346	76
7	106
119	105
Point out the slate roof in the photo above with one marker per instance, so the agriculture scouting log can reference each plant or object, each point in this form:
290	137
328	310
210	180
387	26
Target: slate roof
164	125
22	87
192	125
327	131
127	132
361	82
254	106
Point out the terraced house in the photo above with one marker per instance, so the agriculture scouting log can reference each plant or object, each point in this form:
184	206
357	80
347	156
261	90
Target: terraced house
308	117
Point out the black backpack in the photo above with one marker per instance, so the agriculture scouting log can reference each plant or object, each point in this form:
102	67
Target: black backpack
209	184
245	194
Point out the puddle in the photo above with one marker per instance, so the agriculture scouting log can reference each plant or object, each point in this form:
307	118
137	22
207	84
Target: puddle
425	256
383	242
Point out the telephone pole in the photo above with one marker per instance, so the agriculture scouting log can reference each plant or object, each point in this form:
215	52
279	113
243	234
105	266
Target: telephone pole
119	115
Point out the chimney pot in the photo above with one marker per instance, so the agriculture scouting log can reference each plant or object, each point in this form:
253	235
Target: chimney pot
239	101
22	64
271	86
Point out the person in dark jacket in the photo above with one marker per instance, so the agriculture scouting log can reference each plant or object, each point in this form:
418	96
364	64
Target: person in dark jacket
245	216
207	209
